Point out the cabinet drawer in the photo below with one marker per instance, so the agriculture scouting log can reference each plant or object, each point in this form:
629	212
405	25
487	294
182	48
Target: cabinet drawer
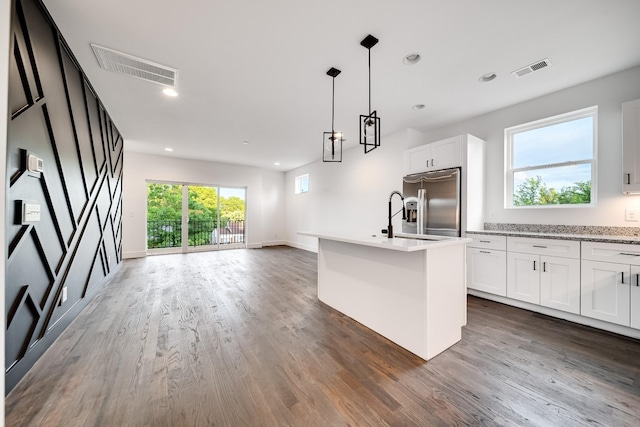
550	247
486	241
619	253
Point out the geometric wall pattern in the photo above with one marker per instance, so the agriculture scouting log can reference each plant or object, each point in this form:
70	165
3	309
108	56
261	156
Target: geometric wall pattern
75	245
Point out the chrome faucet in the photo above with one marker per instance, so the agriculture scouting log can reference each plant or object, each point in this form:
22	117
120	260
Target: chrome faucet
404	212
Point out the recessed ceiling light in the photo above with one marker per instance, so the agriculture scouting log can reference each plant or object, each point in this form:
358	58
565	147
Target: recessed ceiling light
169	91
246	142
277	163
487	77
418	107
168	149
412	58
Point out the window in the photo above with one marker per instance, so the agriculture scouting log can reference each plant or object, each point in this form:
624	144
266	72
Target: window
302	183
552	162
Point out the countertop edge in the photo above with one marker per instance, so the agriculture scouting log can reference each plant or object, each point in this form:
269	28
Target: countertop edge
407	245
631	240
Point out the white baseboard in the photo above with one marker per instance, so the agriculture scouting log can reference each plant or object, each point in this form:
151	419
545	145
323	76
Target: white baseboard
302	246
594	323
135	254
274	243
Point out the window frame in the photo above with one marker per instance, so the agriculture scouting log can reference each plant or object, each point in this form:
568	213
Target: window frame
510	171
298	187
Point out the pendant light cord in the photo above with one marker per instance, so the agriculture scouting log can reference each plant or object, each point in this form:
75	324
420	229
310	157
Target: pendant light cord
369	80
333	98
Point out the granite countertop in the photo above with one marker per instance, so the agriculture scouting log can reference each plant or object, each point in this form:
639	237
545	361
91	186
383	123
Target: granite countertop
603	238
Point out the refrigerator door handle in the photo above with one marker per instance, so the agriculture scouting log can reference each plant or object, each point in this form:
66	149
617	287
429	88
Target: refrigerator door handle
421	211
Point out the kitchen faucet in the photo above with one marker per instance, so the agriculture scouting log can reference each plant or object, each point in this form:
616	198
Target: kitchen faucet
404	212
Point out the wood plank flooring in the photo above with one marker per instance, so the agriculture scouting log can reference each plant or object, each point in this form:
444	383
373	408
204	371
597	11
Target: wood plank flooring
239	338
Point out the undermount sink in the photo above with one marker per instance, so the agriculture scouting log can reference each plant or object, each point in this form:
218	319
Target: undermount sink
421	237
418	238
413	237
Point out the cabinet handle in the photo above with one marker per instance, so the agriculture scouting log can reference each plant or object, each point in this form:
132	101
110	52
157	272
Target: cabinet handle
628	178
637	279
622	273
485	252
628	254
540	246
534	266
544	267
484	241
432	162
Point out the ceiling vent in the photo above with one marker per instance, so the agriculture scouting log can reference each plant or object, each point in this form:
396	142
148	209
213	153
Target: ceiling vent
122	63
531	68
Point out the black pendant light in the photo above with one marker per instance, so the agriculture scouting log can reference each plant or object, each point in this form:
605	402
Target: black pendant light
370	124
332	141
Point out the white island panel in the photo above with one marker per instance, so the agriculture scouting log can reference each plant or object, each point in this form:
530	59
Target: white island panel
414	298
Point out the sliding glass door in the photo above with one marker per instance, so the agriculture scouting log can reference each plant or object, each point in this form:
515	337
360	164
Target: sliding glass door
187	218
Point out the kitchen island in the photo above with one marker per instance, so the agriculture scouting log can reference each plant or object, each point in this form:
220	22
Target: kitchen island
408	290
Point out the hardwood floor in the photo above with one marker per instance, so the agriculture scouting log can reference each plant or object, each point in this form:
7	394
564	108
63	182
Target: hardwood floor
238	338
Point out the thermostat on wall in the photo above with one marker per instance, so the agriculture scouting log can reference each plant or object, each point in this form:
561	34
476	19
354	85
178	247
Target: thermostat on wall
34	163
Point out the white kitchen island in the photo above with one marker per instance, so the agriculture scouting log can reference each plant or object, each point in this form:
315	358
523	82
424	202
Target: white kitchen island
407	290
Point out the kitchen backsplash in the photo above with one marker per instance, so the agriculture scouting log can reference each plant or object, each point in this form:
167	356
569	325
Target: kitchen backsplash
564	229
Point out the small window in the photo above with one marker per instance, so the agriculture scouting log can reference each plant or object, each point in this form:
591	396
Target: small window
552	162
302	184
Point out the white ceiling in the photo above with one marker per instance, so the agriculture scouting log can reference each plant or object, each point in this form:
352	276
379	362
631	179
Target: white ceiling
255	70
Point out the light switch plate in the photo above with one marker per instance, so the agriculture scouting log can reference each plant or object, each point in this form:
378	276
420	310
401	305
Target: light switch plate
632	215
30	212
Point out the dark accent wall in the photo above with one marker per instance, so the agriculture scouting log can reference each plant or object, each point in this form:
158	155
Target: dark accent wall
75	247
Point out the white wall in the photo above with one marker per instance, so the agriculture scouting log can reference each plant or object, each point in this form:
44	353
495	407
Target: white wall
353	195
265	202
5	14
608	93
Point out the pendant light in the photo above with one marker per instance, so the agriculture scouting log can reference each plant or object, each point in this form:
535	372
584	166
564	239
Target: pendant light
332	141
369	124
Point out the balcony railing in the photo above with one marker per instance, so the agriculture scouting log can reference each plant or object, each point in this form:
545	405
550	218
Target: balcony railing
168	233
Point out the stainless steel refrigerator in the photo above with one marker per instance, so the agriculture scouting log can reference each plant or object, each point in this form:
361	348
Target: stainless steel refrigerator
432	200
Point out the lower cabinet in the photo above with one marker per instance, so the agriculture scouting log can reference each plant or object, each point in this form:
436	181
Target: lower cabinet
537	275
487	271
560	284
487	264
611	283
591	279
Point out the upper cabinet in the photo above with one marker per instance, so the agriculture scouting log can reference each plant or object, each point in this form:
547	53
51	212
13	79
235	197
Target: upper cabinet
437	155
631	147
463	151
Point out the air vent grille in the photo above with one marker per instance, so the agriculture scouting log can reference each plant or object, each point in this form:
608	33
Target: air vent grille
122	63
531	68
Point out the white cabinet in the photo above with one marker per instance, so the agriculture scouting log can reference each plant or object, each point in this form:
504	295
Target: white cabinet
523	277
487	264
464	151
611	283
437	155
417	160
544	272
560	284
631	146
635	298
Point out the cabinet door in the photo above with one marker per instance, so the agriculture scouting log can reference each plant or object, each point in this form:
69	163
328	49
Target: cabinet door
487	271
604	293
560	283
631	146
446	153
417	160
523	277
635	297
